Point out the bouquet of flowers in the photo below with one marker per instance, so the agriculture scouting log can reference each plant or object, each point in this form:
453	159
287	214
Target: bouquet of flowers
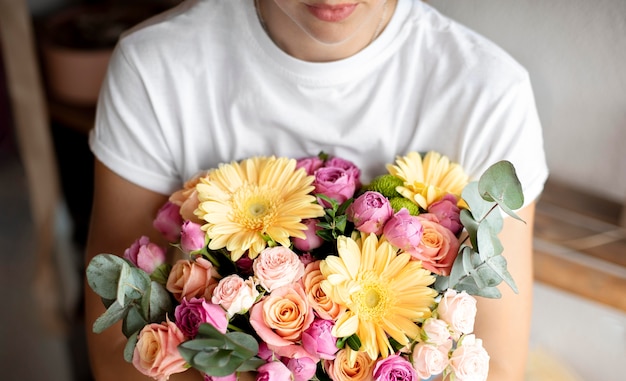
292	269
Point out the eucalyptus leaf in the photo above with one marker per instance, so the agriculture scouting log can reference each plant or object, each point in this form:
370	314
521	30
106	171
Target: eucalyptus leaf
486	277
471	225
129	348
489	292
499	183
489	244
112	315
479	207
103	273
498	264
134	321
251	364
161	273
160	302
133	284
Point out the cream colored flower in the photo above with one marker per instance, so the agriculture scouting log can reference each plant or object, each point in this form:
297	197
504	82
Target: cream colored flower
246	204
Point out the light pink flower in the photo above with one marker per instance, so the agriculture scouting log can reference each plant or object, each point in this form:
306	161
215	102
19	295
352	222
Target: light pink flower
235	294
394	368
192	278
145	254
458	309
276	267
438	247
168	221
369	212
404	231
230	377
348	166
310	164
430	359
470	361
312	241
447	213
303	368
335	183
437	331
191	313
192	237
318	340
274	371
156	352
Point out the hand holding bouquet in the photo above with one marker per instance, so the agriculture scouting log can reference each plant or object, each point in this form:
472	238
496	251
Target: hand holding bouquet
295	270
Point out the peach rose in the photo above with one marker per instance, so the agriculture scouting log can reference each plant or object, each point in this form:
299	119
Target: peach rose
192	278
458	309
470	361
438	248
281	317
276	267
321	303
235	294
339	369
187	198
430	359
156	352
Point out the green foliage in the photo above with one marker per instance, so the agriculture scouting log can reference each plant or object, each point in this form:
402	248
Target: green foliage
480	267
221	354
335	220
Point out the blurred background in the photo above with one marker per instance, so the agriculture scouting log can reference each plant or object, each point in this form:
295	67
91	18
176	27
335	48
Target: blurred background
53	57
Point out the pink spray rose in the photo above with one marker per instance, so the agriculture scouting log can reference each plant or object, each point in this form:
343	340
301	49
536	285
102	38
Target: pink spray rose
458	309
191	313
404	231
235	294
145	254
276	267
310	164
438	248
273	371
430	359
436	331
156	352
312	241
192	278
168	221
318	340
369	212
394	368
303	368
348	166
335	183
192	237
470	360
448	213
230	377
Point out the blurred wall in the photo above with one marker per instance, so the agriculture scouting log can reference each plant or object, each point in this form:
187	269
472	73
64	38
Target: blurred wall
575	51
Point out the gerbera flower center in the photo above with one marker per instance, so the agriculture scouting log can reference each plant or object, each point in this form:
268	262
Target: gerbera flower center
373	300
254	207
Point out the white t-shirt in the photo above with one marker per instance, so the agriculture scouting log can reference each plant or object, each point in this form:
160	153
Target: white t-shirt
203	84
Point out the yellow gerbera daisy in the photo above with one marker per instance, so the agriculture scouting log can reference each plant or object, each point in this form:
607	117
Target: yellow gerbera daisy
427	180
385	293
246	204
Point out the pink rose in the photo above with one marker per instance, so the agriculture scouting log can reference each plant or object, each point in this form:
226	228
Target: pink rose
448	213
230	377
436	331
318	340
312	241
276	267
470	361
273	371
348	166
191	313
404	231
235	294
265	353
187	198
190	279
458	309
343	369
429	359
335	183
369	212
394	368
145	254
303	368
438	248
192	237
280	318
310	164
156	352
168	221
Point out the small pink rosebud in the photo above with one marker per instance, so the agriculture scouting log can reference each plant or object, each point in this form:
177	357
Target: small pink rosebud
404	231
310	164
369	212
348	166
274	371
335	183
303	368
447	213
312	240
318	339
145	254
168	221
192	237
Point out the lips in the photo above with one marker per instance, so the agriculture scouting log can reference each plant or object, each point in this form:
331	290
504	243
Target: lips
331	13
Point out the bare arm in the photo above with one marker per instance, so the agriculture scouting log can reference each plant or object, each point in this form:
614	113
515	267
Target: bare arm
122	212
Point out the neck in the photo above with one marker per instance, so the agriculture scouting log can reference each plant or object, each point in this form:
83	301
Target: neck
312	40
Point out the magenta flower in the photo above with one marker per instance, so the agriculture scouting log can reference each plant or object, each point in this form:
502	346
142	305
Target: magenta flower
335	183
369	212
303	368
192	237
394	368
168	221
230	377
318	340
191	313
310	164
348	166
145	254
404	231
274	371
447	213
312	241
